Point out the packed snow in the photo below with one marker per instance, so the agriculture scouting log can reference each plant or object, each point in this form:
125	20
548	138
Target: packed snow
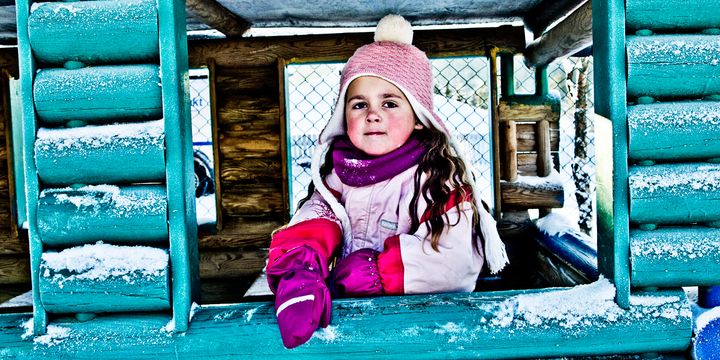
143	135
684	117
674	178
661	243
102	261
54	334
674	49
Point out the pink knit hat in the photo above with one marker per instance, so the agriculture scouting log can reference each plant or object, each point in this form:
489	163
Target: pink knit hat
393	58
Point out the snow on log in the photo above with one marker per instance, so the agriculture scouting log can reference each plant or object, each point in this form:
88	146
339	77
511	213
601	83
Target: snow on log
579	321
95	31
675	256
105	278
680	193
671	14
101	94
674	130
103	213
673	65
132	152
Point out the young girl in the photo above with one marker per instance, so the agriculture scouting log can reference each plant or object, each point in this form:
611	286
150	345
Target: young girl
390	193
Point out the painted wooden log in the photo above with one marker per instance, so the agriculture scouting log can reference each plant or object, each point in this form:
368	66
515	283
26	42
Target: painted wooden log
94	32
103	213
105	278
101	94
675	256
686	15
577	322
674	130
577	259
132	152
673	65
674	193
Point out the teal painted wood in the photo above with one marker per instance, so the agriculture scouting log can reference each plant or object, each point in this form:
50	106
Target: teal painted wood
101	94
180	180
478	325
665	257
95	32
27	67
673	65
507	75
78	280
17	150
124	153
610	102
675	130
680	193
685	15
552	100
128	214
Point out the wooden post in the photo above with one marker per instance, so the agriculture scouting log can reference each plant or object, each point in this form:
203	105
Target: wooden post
566	38
284	148
216	141
492	54
544	160
510	155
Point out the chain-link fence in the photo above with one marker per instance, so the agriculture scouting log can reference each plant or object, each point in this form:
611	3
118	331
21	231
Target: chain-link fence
202	146
461	99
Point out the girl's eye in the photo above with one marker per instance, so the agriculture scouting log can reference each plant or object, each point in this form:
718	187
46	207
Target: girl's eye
358	105
391	104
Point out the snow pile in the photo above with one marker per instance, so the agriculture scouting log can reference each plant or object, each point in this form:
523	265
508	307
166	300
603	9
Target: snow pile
551	182
557	224
122	201
676	178
328	334
141	136
101	261
54	334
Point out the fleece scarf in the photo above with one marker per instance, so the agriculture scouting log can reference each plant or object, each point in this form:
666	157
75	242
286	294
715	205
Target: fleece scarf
356	168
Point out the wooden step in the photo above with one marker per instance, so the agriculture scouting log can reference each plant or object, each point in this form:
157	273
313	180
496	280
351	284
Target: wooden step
532	192
672	66
681	193
105	278
124	153
94	31
675	256
679	15
100	94
674	130
129	214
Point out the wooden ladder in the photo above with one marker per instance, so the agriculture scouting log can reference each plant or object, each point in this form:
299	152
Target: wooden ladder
108	158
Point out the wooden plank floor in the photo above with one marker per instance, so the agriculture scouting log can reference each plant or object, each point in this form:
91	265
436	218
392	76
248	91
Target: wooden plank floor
475	325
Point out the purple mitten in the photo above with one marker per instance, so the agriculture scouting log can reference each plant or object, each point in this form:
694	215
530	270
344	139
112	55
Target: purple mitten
357	274
302	299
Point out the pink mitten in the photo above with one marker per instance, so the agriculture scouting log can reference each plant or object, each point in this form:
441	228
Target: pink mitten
357	274
302	299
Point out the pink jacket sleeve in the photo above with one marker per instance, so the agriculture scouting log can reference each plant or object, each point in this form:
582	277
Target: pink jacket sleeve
409	265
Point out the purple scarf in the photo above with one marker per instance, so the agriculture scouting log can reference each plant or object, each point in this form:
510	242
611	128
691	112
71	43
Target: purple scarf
356	168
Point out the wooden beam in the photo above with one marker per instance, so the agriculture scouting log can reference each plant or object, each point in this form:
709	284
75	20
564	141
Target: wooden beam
566	38
520	195
490	325
218	17
547	12
256	52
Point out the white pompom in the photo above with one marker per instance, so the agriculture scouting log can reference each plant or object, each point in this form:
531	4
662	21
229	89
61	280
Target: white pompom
394	28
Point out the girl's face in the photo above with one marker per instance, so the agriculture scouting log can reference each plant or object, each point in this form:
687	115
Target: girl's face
378	116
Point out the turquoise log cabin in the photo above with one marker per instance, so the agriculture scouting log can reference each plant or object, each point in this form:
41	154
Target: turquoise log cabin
101	234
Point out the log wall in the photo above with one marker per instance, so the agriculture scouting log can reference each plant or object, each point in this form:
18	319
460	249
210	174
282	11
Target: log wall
247	102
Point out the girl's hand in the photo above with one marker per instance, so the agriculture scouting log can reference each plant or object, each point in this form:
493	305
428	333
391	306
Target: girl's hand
358	275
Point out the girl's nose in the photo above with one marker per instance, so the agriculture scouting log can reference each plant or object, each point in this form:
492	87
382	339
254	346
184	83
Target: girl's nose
373	116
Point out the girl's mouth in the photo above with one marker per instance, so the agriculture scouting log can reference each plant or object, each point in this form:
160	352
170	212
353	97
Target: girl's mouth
375	133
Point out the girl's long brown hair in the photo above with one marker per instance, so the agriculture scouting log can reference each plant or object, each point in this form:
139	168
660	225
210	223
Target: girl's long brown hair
446	173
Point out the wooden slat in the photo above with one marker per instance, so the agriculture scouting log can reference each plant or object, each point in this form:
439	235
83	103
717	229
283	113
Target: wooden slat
683	256
674	130
250	111
250	170
685	15
101	94
122	153
673	65
527	137
527	163
218	17
478	325
265	51
519	195
95	32
674	193
9	60
234	146
250	79
574	33
252	200
216	264
12	245
14	269
242	232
